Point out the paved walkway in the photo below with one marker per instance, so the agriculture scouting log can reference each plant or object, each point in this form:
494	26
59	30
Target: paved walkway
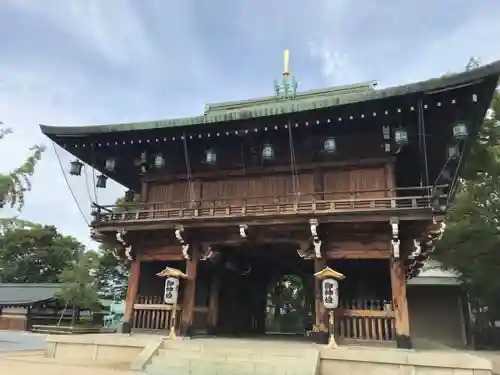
35	364
12	340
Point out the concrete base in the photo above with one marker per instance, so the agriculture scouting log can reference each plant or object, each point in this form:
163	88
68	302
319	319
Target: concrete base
102	348
253	356
363	360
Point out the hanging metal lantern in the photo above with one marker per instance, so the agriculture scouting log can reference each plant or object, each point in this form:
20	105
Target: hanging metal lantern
129	196
267	152
211	157
101	181
453	151
159	161
401	137
330	145
460	131
386	132
75	168
110	165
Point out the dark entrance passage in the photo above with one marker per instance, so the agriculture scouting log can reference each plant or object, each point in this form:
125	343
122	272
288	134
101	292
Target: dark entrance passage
268	290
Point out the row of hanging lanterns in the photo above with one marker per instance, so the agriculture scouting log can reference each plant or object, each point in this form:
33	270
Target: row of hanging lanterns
460	133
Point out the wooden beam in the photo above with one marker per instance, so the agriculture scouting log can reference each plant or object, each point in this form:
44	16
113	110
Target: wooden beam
213	303
187	314
133	284
211	222
320	312
358	254
400	304
160	256
212	175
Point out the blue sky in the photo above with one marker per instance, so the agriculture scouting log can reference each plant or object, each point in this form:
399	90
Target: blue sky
93	61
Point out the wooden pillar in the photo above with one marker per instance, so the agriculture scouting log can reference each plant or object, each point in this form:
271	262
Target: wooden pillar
133	284
319	184
320	312
187	314
213	303
400	304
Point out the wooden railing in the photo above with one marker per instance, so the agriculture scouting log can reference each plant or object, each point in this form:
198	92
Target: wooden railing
359	201
365	320
150	313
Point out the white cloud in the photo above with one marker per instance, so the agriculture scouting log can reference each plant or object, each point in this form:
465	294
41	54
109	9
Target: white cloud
112	28
134	60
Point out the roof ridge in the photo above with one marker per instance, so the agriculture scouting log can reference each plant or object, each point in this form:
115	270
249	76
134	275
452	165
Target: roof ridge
308	94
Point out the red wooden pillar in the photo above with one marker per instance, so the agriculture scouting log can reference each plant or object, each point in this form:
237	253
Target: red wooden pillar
133	284
187	314
320	312
400	304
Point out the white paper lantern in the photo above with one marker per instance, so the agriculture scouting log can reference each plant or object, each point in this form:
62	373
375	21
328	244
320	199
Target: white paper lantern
171	292
330	293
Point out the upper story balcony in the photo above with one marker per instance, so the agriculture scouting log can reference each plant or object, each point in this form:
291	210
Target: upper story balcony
411	203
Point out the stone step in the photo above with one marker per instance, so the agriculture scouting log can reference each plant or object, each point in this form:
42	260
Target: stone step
182	360
246	348
243	357
222	368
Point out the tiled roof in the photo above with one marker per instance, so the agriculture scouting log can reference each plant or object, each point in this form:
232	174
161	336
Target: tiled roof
271	106
14	294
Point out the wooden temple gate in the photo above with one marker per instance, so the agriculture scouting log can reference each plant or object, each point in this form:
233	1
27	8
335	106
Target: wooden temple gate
295	182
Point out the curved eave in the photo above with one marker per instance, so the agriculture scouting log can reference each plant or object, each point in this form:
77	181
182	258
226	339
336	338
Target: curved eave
284	107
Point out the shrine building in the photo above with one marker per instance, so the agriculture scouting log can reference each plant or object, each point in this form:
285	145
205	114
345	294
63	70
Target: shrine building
251	198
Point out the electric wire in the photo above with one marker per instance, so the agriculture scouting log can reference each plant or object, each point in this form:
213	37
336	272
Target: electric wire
188	168
295	181
87	184
93	175
68	185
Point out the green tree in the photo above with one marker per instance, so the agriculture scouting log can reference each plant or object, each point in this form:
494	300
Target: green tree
471	241
15	184
111	274
35	253
79	288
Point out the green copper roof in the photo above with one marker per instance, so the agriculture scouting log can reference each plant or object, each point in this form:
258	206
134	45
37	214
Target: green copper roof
270	106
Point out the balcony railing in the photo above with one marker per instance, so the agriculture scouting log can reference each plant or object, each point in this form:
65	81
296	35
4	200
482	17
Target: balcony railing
363	201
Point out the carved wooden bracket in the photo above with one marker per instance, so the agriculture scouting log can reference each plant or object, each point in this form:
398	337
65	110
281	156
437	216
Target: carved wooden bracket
120	237
305	251
395	242
208	253
243	230
179	234
313	224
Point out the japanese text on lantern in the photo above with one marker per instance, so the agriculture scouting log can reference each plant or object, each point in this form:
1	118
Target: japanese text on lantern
330	293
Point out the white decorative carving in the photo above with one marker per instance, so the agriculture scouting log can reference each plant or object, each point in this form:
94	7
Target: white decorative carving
317	249
417	249
243	230
313	224
305	254
209	254
184	245
395	239
120	237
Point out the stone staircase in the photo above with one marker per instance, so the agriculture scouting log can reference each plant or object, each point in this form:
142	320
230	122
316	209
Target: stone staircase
217	356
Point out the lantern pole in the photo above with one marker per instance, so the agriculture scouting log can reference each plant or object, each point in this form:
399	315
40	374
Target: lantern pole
171	296
329	288
332	344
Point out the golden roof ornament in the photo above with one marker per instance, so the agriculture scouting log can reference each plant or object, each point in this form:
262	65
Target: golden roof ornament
328	273
287	88
172	272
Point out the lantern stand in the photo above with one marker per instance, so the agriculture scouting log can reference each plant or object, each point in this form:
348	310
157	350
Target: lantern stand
171	293
330	289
